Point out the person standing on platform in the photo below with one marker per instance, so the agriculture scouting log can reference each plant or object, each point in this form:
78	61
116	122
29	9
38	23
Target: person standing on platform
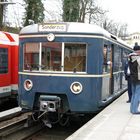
127	77
134	65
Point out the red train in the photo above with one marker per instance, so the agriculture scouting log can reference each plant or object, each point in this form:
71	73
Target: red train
8	65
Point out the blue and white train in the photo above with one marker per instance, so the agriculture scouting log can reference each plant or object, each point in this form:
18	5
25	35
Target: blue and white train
69	68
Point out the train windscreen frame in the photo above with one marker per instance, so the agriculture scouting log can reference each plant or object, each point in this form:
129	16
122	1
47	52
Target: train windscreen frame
55	57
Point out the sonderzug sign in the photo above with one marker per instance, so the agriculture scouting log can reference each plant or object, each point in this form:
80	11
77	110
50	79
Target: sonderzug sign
52	27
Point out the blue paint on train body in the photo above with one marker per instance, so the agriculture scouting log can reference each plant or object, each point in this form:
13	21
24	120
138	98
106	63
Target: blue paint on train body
86	101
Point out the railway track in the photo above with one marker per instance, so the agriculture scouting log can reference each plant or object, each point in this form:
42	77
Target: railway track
57	132
14	127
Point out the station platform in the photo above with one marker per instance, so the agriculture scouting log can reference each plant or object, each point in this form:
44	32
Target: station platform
115	122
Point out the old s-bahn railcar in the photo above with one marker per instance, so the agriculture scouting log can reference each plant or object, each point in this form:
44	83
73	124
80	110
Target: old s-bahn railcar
69	68
8	65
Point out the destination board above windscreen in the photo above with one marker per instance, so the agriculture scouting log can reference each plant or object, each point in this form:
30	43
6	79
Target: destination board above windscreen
53	27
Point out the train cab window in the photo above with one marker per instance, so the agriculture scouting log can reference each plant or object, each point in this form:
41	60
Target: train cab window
51	56
75	57
3	60
31	56
55	56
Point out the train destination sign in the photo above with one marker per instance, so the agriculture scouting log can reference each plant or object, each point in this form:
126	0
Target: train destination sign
50	27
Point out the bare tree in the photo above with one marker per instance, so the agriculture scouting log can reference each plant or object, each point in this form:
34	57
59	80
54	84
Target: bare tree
90	11
81	10
123	33
115	28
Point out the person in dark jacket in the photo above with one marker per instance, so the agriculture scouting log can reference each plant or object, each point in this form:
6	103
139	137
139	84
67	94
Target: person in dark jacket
127	77
134	65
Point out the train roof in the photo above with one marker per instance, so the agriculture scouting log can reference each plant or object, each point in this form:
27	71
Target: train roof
69	27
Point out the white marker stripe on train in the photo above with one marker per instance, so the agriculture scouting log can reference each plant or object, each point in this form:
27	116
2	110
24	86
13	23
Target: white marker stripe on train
14	86
62	35
5	89
68	75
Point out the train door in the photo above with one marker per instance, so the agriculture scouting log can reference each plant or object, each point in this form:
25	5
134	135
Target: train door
107	72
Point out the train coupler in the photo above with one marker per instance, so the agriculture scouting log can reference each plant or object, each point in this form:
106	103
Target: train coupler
49	103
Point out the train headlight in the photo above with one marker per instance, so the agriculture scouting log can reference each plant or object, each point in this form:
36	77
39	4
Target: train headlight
28	84
50	37
76	87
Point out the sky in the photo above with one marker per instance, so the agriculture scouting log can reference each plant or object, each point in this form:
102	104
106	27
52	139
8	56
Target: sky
121	11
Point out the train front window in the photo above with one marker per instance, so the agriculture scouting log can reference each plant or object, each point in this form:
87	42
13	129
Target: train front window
54	56
3	60
75	57
31	56
51	56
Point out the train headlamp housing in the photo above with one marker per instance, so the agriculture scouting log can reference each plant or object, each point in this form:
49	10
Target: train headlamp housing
28	84
76	87
50	37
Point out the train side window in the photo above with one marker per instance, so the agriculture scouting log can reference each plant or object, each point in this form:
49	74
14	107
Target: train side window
106	59
117	60
3	60
124	57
